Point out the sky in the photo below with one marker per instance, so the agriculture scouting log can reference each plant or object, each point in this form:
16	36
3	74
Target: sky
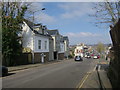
71	19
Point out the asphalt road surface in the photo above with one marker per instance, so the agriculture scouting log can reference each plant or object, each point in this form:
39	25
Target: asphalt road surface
65	74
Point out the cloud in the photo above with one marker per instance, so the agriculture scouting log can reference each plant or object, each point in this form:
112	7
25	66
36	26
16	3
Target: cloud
82	34
45	18
75	10
34	6
87	38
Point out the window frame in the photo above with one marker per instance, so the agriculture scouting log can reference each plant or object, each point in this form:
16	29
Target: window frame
45	45
39	44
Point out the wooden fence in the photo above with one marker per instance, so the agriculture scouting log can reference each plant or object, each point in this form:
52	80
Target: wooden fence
22	59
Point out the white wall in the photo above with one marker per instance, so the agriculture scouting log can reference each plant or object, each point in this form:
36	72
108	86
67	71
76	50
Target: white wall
62	49
54	43
43	39
79	49
27	40
66	47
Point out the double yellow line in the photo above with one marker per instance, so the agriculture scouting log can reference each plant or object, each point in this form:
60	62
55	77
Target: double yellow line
83	81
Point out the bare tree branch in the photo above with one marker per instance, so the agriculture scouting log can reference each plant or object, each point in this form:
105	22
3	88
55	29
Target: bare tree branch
106	12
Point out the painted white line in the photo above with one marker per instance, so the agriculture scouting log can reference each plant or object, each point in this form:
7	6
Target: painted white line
99	67
95	68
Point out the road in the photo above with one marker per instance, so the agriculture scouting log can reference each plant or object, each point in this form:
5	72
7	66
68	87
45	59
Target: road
66	74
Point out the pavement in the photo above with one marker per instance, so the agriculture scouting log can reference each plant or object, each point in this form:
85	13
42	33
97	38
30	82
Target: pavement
98	77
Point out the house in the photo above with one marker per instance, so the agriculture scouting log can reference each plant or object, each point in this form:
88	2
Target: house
51	49
56	42
36	38
61	51
66	46
44	32
61	44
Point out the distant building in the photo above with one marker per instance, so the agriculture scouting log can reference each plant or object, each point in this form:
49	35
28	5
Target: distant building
79	50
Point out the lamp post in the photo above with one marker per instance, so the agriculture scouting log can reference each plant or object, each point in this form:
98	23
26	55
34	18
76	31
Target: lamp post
33	35
35	12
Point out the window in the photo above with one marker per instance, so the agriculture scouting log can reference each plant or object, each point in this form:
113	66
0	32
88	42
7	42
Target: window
39	44
45	44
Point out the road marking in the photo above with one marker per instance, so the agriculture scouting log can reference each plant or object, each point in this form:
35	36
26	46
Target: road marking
95	68
83	81
80	81
99	67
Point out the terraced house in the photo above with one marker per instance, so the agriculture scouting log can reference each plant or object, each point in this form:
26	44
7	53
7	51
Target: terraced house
45	45
37	39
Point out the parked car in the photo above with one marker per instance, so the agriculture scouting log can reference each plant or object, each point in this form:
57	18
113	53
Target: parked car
88	56
85	56
95	57
98	56
4	70
78	58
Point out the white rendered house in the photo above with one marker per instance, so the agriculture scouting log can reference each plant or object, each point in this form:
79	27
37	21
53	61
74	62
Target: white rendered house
36	40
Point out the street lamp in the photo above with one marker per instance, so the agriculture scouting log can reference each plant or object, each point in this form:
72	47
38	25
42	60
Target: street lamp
33	37
35	12
43	9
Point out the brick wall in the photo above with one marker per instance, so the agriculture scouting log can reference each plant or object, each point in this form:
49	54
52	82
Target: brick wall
37	57
60	56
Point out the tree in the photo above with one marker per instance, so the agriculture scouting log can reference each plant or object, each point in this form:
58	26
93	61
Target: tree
100	47
12	18
107	12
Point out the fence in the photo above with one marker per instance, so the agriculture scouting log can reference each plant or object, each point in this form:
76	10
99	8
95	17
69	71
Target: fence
22	59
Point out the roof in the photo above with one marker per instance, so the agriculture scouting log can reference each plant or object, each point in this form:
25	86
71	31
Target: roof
31	24
65	38
52	32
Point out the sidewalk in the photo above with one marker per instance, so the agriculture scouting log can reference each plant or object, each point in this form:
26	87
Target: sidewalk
22	67
98	77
